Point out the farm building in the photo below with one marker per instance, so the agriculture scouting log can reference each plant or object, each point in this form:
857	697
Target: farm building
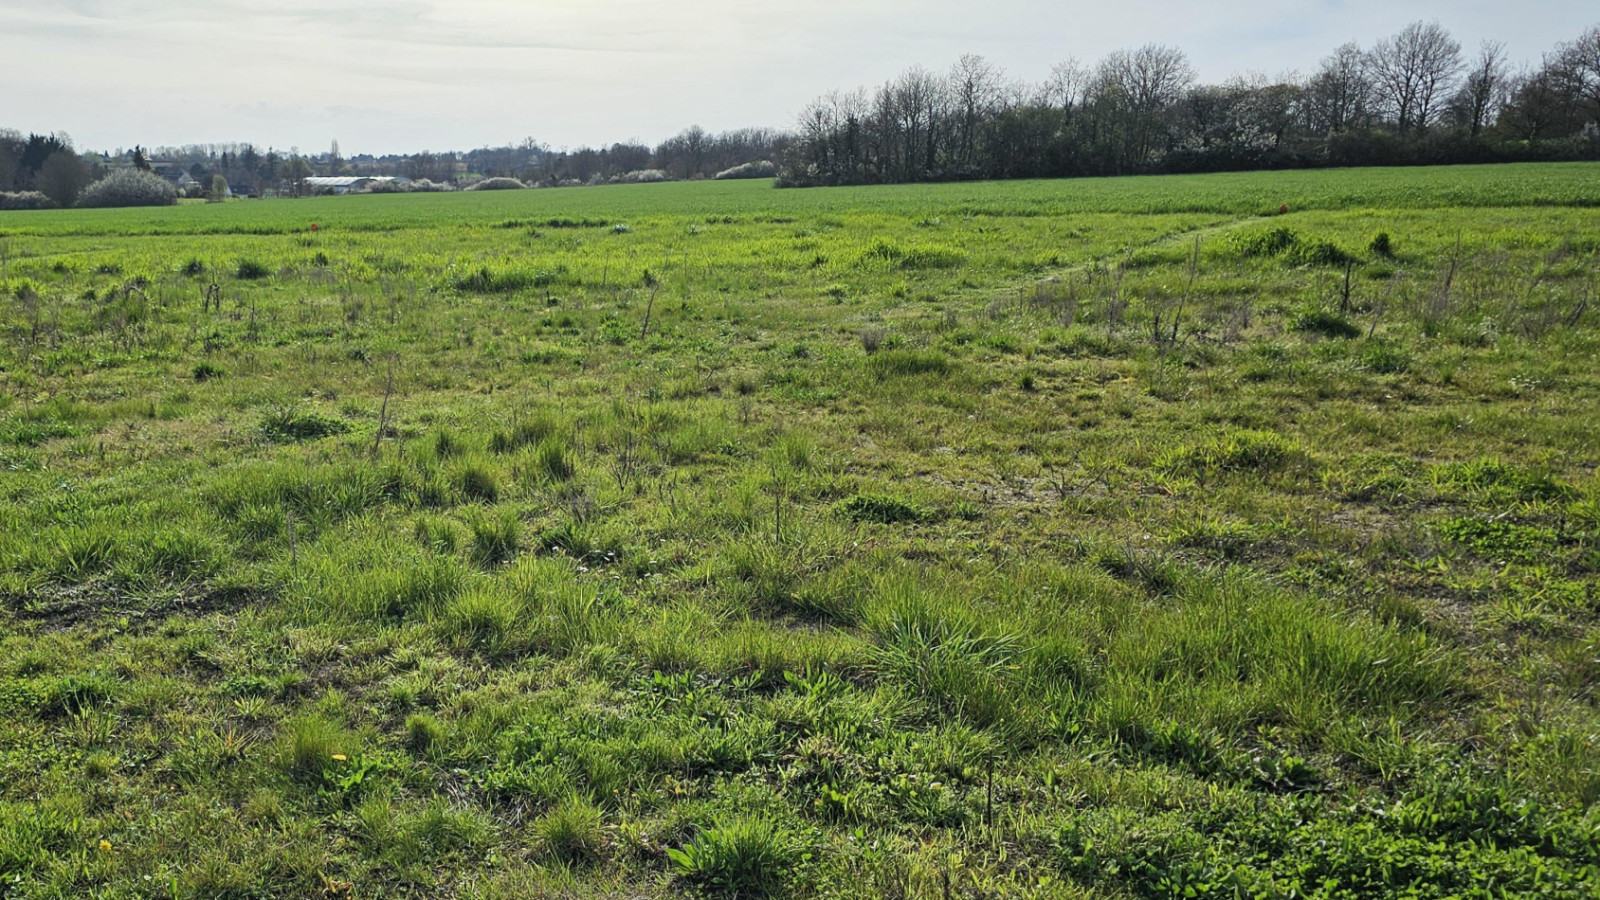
344	184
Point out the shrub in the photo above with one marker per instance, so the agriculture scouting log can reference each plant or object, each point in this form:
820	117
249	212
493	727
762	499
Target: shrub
644	176
129	187
498	184
745	858
760	169
872	339
26	200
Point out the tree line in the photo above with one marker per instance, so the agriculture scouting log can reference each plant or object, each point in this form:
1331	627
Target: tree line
1412	98
50	166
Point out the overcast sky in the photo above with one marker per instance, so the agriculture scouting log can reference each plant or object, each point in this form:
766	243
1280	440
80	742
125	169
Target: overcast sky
402	75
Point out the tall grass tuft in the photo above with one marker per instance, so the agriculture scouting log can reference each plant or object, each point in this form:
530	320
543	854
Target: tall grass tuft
553	460
887	363
742	857
496	537
571	832
477	482
311	745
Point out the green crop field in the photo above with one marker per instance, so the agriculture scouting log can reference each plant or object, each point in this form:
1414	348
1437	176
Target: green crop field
1107	538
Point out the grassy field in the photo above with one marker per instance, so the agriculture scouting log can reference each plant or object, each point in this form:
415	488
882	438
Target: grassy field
1107	538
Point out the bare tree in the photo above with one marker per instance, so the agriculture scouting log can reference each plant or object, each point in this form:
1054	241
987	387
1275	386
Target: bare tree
1066	87
1134	93
975	88
1541	104
1483	90
1340	94
910	113
1579	62
1413	71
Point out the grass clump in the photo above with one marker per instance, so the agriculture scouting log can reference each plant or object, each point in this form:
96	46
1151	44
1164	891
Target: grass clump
496	538
314	747
478	483
289	424
1271	242
485	280
523	434
483	619
251	270
1385	357
571	832
879	508
1381	245
1324	323
424	732
1240	451
882	251
553	460
1317	252
886	363
739	858
1287	244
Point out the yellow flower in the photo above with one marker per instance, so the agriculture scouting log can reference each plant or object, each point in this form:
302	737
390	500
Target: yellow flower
105	846
340	757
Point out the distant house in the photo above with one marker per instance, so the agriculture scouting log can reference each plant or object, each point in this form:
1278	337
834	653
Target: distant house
186	181
344	184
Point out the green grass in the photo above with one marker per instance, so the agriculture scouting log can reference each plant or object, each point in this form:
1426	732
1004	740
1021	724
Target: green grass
1044	539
